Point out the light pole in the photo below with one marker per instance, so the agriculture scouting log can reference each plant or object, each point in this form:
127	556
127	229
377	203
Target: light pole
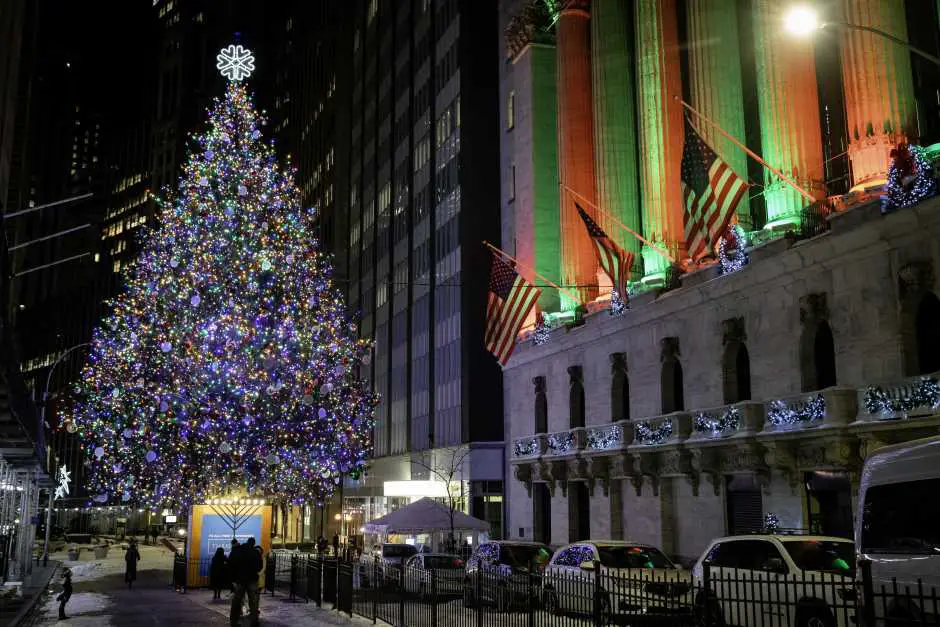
804	21
42	415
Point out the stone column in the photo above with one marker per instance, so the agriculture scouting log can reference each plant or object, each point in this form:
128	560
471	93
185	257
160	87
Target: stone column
530	48
615	120
789	114
879	89
660	129
575	147
715	82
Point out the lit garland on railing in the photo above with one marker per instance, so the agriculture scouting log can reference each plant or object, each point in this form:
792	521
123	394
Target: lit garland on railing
779	413
601	439
643	433
560	442
728	421
910	178
525	447
731	253
926	394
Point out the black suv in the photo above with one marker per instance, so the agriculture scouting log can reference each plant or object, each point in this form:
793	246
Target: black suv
505	573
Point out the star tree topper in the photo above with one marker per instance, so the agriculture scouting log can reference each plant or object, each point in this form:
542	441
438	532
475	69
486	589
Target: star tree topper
235	62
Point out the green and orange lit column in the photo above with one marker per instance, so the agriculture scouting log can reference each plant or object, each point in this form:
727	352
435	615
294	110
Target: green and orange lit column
615	153
715	82
789	115
575	146
879	89
660	131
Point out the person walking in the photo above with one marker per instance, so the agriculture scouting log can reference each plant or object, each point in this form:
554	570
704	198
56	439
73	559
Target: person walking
228	570
66	593
218	569
245	563
131	557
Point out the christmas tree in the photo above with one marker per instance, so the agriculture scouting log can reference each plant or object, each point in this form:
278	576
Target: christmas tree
228	362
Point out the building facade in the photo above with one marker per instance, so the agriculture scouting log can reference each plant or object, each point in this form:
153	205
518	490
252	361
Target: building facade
714	400
401	164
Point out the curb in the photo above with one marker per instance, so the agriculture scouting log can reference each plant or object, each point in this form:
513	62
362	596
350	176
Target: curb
28	608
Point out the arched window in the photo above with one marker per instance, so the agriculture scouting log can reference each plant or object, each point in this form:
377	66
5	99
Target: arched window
824	356
619	388
671	386
817	348
541	406
736	373
927	329
576	396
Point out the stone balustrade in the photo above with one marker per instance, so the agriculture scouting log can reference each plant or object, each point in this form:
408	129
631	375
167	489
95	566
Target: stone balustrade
737	419
666	429
610	437
835	406
913	397
565	442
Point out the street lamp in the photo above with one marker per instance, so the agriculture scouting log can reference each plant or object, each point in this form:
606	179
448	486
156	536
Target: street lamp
803	21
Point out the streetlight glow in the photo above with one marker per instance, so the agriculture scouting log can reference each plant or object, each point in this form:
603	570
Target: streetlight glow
801	21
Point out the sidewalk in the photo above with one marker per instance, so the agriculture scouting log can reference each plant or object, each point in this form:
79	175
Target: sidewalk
13	611
279	612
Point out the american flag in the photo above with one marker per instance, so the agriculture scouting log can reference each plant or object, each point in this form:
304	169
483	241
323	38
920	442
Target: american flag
510	301
613	259
711	191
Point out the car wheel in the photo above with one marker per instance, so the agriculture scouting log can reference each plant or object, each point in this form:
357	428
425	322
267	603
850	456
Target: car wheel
503	599
707	612
550	602
814	617
468	597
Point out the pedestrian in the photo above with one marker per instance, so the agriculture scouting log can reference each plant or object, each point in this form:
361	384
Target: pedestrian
217	572
155	535
66	592
131	557
336	544
245	563
321	545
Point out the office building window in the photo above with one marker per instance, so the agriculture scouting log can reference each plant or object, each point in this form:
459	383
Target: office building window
511	111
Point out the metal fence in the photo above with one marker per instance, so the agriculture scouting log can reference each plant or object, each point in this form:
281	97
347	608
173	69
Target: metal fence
499	597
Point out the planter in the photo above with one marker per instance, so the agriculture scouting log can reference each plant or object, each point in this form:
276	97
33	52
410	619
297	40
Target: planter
73	555
101	552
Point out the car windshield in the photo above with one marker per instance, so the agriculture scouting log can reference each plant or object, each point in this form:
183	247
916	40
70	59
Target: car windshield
442	562
398	550
823	555
521	556
633	557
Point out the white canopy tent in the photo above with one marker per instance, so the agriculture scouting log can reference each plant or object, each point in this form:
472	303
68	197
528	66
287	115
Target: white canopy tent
427	517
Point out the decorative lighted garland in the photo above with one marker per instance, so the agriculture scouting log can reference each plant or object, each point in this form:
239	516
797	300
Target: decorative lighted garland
910	178
542	333
731	253
618	305
603	439
644	434
728	421
926	394
779	413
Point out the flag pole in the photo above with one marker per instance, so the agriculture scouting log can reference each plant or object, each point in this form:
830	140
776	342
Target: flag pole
663	253
750	152
500	251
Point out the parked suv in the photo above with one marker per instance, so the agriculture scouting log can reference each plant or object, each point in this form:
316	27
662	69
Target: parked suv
898	532
383	562
505	573
632	578
777	580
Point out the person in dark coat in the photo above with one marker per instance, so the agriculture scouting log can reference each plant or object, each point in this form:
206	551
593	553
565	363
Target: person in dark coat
131	557
218	571
66	593
245	563
228	569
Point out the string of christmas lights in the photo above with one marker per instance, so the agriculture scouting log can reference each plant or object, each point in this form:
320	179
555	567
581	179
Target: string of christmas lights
227	363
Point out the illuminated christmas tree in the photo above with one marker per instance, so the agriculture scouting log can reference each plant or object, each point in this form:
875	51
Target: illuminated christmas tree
228	362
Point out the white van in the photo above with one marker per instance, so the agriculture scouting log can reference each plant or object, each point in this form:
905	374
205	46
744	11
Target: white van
898	528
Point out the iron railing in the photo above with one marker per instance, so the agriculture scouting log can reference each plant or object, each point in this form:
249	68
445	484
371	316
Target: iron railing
501	596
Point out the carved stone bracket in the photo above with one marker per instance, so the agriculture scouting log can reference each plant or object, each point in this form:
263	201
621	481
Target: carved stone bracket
914	278
706	463
524	473
554	473
646	470
780	457
837	453
813	307
598	468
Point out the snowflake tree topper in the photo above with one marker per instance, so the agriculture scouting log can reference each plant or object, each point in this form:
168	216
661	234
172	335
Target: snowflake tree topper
235	62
